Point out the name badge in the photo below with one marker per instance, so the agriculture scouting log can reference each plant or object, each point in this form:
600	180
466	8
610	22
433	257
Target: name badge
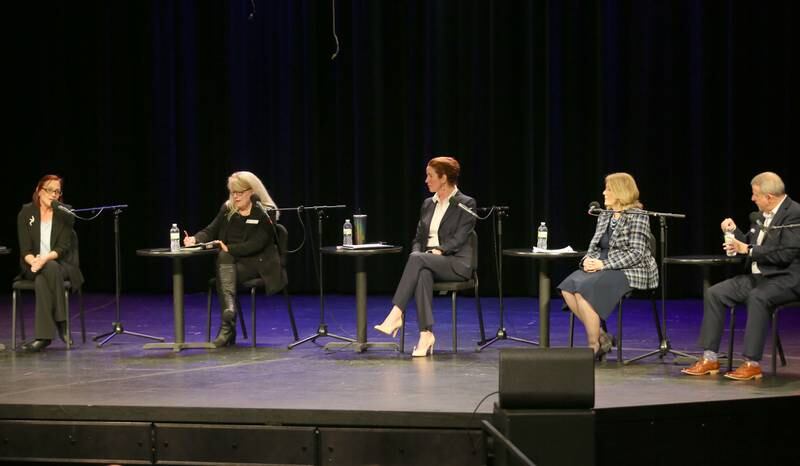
252	221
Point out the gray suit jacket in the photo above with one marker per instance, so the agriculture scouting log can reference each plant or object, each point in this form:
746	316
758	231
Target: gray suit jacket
454	232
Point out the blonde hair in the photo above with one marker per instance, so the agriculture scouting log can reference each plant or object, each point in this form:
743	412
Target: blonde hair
242	181
769	183
624	188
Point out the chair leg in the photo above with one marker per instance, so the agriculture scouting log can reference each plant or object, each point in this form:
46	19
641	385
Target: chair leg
14	319
253	316
453	310
241	318
619	333
480	314
208	314
775	341
66	322
83	319
291	314
403	335
571	340
731	328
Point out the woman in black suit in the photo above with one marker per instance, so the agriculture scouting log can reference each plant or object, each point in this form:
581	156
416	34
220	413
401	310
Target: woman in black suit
441	251
45	242
245	236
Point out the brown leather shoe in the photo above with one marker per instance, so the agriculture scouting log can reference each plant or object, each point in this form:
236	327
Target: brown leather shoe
745	372
702	367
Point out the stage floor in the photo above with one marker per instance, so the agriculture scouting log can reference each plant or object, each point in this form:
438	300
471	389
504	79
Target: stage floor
286	386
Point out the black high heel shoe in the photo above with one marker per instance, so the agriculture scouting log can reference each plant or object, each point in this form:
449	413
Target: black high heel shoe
226	335
605	344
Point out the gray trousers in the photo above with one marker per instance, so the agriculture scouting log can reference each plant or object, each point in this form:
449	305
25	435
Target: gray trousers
50	304
418	276
760	294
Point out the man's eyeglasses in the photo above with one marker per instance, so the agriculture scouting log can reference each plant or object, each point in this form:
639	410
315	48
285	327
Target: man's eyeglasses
57	192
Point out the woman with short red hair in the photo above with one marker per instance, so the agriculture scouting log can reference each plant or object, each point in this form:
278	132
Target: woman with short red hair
441	251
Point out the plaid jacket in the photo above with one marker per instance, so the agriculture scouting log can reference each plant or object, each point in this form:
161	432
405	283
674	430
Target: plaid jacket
629	249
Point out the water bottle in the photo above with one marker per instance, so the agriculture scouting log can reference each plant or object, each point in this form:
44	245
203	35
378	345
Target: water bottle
729	237
541	236
174	238
347	233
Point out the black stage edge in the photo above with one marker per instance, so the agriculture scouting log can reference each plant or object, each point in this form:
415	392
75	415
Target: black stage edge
707	433
121	404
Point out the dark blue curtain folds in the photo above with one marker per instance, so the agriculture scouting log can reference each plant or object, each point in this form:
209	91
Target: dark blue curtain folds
154	104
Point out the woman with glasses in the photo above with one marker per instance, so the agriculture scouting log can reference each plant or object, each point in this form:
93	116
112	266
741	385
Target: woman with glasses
45	241
245	237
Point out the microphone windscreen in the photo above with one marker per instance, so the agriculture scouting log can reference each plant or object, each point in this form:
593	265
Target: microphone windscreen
594	205
755	217
254	198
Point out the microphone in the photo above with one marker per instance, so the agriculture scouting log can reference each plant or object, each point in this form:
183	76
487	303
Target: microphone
466	208
62	207
255	199
757	219
594	208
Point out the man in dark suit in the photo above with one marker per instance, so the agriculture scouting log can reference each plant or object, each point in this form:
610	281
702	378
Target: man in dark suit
441	251
772	277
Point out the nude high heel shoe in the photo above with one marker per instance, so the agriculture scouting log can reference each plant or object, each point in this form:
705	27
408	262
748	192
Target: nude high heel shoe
390	329
423	348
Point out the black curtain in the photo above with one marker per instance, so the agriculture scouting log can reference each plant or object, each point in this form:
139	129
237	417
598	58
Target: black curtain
154	104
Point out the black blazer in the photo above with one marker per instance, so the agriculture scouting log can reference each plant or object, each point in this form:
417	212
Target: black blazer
29	236
258	250
453	235
779	252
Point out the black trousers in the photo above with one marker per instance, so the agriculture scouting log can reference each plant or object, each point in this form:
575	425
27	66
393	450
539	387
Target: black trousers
417	280
761	295
50	301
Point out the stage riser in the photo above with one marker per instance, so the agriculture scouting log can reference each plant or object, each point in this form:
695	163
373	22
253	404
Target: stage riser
548	437
60	441
206	444
401	447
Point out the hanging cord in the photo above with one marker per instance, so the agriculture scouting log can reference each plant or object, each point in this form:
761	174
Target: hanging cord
335	37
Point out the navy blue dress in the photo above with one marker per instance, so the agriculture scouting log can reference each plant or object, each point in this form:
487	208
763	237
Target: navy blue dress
602	289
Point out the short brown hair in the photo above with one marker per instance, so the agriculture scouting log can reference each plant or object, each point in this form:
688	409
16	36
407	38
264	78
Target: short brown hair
41	184
446	166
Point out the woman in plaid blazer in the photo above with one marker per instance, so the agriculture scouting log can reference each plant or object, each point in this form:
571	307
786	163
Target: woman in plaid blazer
619	259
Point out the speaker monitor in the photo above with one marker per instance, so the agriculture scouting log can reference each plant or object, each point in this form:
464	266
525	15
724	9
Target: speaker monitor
546	378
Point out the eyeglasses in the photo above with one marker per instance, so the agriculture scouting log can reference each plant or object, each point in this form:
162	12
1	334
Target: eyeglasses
239	193
57	192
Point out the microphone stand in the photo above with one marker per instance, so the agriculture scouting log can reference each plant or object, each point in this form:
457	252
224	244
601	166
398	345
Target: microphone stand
117	327
664	346
322	330
502	334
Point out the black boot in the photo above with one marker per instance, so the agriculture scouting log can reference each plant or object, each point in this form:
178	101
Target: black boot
226	283
35	346
226	335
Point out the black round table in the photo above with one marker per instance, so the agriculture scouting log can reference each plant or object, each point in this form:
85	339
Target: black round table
360	256
543	260
177	294
704	261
